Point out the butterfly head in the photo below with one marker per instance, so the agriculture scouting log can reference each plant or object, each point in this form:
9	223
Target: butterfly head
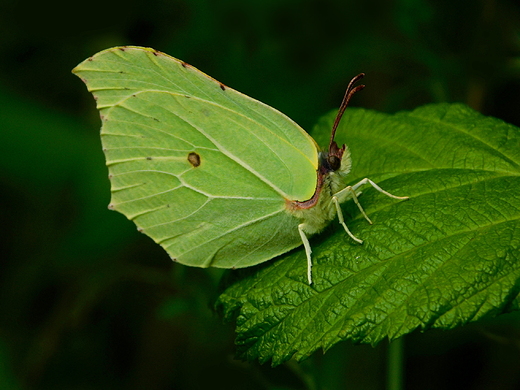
334	165
332	160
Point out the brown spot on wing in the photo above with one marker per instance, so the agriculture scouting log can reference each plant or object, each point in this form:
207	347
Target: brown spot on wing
194	159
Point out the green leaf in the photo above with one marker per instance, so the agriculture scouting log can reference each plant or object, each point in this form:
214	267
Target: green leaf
447	256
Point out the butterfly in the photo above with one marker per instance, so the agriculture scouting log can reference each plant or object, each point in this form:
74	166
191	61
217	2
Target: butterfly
215	177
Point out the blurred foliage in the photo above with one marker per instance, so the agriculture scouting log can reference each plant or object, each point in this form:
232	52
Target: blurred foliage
89	303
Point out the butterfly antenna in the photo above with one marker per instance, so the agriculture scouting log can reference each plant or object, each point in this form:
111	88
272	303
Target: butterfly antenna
351	90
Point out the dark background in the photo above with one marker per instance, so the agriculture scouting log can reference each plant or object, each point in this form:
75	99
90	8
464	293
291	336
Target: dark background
88	303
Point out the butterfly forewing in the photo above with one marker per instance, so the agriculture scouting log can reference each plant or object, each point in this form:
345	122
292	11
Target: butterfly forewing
201	168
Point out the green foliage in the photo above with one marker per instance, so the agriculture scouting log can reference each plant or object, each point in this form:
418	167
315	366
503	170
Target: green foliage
446	257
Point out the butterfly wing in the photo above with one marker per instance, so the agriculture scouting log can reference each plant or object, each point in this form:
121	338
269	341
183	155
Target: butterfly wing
199	167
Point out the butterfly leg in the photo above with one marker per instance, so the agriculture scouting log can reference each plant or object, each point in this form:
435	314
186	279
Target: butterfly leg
366	180
308	251
352	192
342	221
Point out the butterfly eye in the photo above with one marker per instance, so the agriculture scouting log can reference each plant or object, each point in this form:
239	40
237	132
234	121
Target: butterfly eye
334	162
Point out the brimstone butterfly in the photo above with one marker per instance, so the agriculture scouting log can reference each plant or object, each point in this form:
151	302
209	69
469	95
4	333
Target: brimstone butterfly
215	177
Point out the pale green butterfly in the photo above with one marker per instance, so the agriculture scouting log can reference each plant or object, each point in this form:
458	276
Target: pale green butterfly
215	177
